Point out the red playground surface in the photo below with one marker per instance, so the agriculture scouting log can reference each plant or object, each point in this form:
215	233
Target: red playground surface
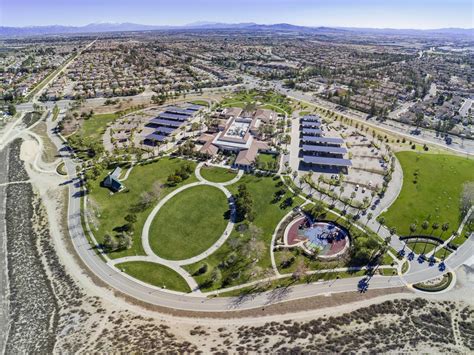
325	237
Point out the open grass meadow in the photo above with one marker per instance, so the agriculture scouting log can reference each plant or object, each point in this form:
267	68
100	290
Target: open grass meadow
432	186
264	99
112	208
189	223
155	274
268	212
217	174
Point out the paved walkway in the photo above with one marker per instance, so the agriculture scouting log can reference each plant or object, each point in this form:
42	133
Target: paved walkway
177	265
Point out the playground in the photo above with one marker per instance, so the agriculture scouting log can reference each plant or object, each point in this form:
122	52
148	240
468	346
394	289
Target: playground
326	239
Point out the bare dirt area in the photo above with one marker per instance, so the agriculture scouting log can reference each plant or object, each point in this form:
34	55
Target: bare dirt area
58	307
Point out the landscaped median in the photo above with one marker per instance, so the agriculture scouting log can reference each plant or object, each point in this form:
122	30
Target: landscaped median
435	285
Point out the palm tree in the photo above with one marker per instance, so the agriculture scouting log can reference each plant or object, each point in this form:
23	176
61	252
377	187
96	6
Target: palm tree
381	221
444	228
413	228
434	227
369	217
425	225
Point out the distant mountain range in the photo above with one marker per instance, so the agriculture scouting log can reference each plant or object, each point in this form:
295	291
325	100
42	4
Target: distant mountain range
125	27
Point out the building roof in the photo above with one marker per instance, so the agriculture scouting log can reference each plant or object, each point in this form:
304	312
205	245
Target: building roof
330	140
246	157
323	149
265	115
209	148
232	111
326	161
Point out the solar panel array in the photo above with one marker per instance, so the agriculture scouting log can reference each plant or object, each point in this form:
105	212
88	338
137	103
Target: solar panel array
321	150
169	121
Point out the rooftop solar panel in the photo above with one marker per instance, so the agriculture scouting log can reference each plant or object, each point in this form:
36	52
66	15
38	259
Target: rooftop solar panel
310	124
178	111
311	118
156	137
312	131
173	116
159	121
327	161
323	149
322	140
166	130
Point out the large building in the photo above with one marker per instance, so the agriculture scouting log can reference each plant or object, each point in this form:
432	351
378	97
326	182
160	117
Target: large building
239	136
159	129
319	152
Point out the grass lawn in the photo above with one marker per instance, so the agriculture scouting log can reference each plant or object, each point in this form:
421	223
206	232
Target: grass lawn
155	274
189	223
94	127
113	208
267	215
200	103
267	162
435	195
266	99
422	246
217	174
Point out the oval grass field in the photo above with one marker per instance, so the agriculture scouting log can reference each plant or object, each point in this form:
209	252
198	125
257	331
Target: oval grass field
189	223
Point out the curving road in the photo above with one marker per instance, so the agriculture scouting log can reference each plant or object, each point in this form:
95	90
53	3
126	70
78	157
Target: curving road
199	302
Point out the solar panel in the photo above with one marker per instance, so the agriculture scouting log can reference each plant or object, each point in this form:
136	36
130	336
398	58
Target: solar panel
156	137
178	110
310	124
173	116
323	149
326	161
159	121
322	140
166	130
310	118
312	131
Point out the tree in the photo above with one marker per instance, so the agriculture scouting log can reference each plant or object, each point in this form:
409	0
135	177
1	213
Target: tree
124	241
381	221
244	204
318	209
413	228
286	258
300	271
109	243
444	227
425	225
434	227
369	216
11	110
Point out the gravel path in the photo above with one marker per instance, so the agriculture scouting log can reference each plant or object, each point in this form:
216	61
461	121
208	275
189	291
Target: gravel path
4	310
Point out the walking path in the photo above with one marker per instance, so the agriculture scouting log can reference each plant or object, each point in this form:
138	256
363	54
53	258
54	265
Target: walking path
177	265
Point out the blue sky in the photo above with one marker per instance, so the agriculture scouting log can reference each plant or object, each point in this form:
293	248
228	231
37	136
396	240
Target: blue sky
348	13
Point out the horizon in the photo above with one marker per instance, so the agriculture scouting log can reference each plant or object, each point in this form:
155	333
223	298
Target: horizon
403	14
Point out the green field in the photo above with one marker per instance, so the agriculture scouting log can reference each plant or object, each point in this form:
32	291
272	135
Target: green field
94	127
114	207
432	195
265	99
189	223
217	174
200	103
267	215
155	274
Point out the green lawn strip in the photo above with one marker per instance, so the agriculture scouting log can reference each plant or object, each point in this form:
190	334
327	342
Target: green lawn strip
289	281
200	103
190	223
217	174
304	113
422	246
405	266
442	253
114	207
435	195
155	274
465	233
267	215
